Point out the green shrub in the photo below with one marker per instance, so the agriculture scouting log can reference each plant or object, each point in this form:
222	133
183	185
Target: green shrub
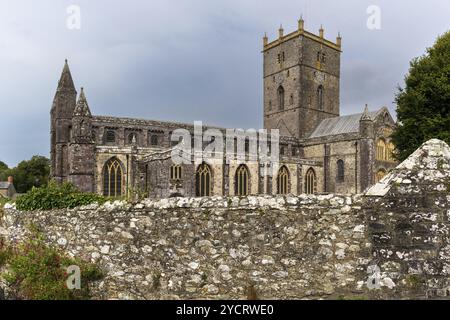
54	196
36	271
3	201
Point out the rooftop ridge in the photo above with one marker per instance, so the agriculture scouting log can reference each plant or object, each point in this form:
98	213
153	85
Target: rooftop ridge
152	121
341	124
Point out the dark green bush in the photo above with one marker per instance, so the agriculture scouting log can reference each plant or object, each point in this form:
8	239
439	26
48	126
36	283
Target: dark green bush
54	196
36	271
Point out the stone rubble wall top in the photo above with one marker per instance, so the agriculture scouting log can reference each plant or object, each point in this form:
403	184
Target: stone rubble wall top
428	165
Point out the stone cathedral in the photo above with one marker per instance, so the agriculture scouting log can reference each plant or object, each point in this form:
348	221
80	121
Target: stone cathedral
320	150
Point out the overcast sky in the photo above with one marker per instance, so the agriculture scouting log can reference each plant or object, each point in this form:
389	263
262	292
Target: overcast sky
189	60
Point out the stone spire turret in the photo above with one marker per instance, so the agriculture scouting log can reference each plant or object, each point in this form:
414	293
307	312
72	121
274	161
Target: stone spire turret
82	121
82	107
265	39
280	31
366	149
61	114
366	115
82	147
301	24
65	82
339	40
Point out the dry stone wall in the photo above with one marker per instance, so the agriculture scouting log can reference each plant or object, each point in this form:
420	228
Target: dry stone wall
285	247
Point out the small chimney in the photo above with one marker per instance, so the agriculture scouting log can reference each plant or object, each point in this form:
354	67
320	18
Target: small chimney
10	179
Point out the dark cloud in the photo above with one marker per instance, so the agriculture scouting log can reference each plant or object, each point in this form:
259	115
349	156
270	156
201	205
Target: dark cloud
189	60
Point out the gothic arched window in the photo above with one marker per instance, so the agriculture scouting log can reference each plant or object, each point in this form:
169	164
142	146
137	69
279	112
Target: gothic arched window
381	149
320	97
154	140
112	178
340	170
390	152
241	183
283	181
175	172
247	145
310	182
280	93
203	180
110	136
81	128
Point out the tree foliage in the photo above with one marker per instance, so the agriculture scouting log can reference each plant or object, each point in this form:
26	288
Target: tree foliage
28	173
423	105
55	196
3	166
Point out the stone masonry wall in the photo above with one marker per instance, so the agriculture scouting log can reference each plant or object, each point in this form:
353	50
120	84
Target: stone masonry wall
408	222
293	247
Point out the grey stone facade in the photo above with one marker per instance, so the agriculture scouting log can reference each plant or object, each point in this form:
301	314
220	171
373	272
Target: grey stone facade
286	247
301	99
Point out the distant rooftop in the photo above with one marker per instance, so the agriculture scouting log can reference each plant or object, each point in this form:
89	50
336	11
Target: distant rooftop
149	122
4	184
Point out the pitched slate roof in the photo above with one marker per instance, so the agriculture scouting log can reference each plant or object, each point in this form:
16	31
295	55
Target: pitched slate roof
340	125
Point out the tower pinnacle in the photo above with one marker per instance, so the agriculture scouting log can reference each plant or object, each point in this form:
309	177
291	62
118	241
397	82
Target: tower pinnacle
301	23
82	107
65	82
365	115
280	31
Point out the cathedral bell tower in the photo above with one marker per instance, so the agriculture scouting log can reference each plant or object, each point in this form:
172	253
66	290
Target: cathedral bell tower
301	80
